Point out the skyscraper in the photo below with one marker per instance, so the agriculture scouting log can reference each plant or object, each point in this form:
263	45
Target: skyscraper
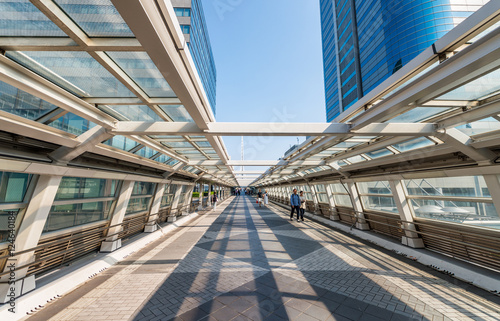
192	20
366	41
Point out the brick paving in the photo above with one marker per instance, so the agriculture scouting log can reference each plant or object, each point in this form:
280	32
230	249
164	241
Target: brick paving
248	263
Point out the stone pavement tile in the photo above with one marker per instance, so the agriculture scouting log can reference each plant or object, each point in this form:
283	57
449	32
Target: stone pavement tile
349	312
211	306
241	305
317	312
226	313
193	315
255	313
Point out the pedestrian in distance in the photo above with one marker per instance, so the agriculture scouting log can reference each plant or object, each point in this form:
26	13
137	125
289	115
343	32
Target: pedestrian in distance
266	198
214	201
302	205
259	198
295	204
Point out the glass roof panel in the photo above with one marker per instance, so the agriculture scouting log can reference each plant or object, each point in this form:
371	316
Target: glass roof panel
177	113
413	144
20	18
76	72
146	152
162	158
121	142
480	127
143	71
72	123
347	144
419	114
177	144
203	144
379	153
477	89
355	159
20	103
137	112
98	18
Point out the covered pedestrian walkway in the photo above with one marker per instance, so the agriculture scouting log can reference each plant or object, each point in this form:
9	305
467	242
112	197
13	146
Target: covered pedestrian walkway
242	262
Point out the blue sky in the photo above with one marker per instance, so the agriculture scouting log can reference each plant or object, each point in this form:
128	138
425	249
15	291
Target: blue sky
269	67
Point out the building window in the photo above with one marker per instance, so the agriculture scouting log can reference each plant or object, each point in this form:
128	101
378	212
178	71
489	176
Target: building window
377	196
341	195
140	201
186	29
182	12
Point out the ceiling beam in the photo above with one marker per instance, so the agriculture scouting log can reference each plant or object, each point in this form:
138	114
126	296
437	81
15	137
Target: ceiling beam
67	44
273	129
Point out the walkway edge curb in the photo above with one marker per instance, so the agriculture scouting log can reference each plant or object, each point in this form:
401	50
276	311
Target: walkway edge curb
54	286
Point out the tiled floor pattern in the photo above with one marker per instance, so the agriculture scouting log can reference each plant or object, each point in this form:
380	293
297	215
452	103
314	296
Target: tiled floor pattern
251	263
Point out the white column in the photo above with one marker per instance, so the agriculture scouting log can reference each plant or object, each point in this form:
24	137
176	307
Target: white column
151	225
28	236
175	204
361	223
493	184
411	238
113	243
200	197
334	216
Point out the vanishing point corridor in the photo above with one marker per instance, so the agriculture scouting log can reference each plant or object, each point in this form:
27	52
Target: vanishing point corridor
242	262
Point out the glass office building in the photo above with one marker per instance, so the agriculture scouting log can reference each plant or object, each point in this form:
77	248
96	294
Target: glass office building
192	20
366	41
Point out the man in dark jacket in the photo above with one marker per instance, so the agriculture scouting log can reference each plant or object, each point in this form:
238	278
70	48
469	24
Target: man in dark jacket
295	203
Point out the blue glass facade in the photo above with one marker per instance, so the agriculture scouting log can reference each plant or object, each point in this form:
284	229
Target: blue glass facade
193	25
366	41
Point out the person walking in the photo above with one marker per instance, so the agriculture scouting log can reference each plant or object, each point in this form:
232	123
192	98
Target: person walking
259	198
295	203
214	201
302	206
266	198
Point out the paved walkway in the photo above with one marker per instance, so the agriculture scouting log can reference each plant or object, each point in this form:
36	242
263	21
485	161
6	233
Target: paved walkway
250	263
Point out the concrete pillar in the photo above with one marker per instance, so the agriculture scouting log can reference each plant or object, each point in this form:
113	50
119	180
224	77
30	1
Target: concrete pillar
151	225
27	237
334	215
411	238
361	223
113	243
175	204
493	184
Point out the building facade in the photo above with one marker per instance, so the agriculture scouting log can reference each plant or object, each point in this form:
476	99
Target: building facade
192	20
366	41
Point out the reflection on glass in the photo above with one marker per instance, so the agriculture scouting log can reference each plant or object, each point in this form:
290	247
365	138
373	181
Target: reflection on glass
379	153
81	187
379	187
146	152
13	186
177	113
356	159
20	103
75	71
20	18
8	220
143	71
122	142
379	203
143	188
137	112
476	89
342	200
98	18
480	127
64	216
419	114
413	144
137	205
467	186
72	124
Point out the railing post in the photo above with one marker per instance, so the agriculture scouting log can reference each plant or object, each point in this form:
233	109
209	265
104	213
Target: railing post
113	243
411	238
151	225
28	236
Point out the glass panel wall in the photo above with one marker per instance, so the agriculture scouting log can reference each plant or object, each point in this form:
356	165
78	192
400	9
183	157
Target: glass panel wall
81	201
140	201
377	196
340	195
168	196
321	193
464	200
13	189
